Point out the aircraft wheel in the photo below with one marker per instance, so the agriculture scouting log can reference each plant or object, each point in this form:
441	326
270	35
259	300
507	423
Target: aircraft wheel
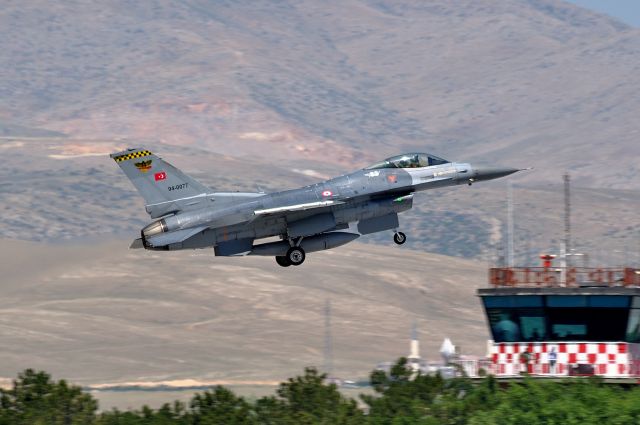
399	238
282	261
295	256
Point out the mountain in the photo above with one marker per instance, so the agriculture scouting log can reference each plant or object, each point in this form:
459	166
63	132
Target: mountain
13	130
538	83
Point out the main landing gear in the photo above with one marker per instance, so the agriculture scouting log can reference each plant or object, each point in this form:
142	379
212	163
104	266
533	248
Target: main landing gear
282	261
294	257
399	238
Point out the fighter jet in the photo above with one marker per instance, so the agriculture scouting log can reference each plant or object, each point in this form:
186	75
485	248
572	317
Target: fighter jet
189	215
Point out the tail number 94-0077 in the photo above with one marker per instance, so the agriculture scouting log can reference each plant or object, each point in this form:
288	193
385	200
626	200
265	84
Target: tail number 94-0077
178	186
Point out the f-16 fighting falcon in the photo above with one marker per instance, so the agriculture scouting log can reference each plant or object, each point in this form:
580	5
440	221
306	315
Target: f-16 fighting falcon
189	215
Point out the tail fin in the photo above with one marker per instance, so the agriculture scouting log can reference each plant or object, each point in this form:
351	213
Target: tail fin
164	188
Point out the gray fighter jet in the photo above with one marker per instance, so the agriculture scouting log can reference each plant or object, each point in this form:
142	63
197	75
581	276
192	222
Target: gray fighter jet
189	215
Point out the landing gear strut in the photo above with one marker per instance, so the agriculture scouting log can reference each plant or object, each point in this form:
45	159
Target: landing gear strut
399	238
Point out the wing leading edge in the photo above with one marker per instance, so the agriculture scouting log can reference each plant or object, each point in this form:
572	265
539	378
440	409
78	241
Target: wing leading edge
297	207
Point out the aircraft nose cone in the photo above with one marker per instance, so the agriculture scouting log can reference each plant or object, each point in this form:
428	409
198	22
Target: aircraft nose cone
489	173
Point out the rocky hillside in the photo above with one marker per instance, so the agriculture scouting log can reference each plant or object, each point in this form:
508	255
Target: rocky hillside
528	83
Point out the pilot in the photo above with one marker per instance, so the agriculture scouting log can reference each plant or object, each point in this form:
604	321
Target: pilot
413	162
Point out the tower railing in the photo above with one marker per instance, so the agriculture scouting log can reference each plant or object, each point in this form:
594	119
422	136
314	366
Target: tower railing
563	277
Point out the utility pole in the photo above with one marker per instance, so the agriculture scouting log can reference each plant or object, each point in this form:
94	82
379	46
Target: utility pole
638	252
328	341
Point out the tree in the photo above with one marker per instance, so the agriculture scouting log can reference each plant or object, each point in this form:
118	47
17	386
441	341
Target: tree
405	397
402	399
308	400
221	406
36	399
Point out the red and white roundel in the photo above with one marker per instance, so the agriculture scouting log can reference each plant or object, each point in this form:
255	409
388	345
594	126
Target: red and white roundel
327	193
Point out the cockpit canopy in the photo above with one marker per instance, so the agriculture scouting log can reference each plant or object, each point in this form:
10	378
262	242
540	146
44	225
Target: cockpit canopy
409	160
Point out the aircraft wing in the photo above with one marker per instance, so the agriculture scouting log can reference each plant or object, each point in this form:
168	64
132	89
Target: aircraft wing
303	210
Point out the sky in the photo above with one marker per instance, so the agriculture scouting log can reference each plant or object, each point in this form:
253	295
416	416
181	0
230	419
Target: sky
627	11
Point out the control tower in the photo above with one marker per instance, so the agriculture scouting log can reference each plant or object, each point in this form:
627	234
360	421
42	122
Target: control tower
548	321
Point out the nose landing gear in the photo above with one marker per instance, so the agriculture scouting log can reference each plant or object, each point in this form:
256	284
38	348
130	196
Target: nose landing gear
399	238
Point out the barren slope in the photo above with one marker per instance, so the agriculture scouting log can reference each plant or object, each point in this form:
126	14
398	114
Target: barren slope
99	313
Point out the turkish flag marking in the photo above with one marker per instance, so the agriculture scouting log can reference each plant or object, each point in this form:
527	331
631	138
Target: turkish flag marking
160	176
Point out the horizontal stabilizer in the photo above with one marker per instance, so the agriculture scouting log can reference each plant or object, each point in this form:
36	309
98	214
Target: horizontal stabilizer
176	236
137	244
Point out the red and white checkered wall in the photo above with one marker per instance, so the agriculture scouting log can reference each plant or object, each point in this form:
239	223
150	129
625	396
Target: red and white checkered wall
609	359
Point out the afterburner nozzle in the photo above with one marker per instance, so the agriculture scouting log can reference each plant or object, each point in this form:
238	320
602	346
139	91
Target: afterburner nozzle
154	228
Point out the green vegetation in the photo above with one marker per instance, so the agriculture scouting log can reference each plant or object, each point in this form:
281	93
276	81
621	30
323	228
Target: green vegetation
400	399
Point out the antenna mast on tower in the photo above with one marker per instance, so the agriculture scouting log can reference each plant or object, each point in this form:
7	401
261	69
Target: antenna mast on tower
567	219
510	228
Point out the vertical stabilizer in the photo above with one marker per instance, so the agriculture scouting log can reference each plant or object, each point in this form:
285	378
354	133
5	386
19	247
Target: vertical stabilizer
165	189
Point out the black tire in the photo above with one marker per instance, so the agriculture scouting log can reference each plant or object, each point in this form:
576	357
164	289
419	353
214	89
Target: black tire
282	261
296	256
399	238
